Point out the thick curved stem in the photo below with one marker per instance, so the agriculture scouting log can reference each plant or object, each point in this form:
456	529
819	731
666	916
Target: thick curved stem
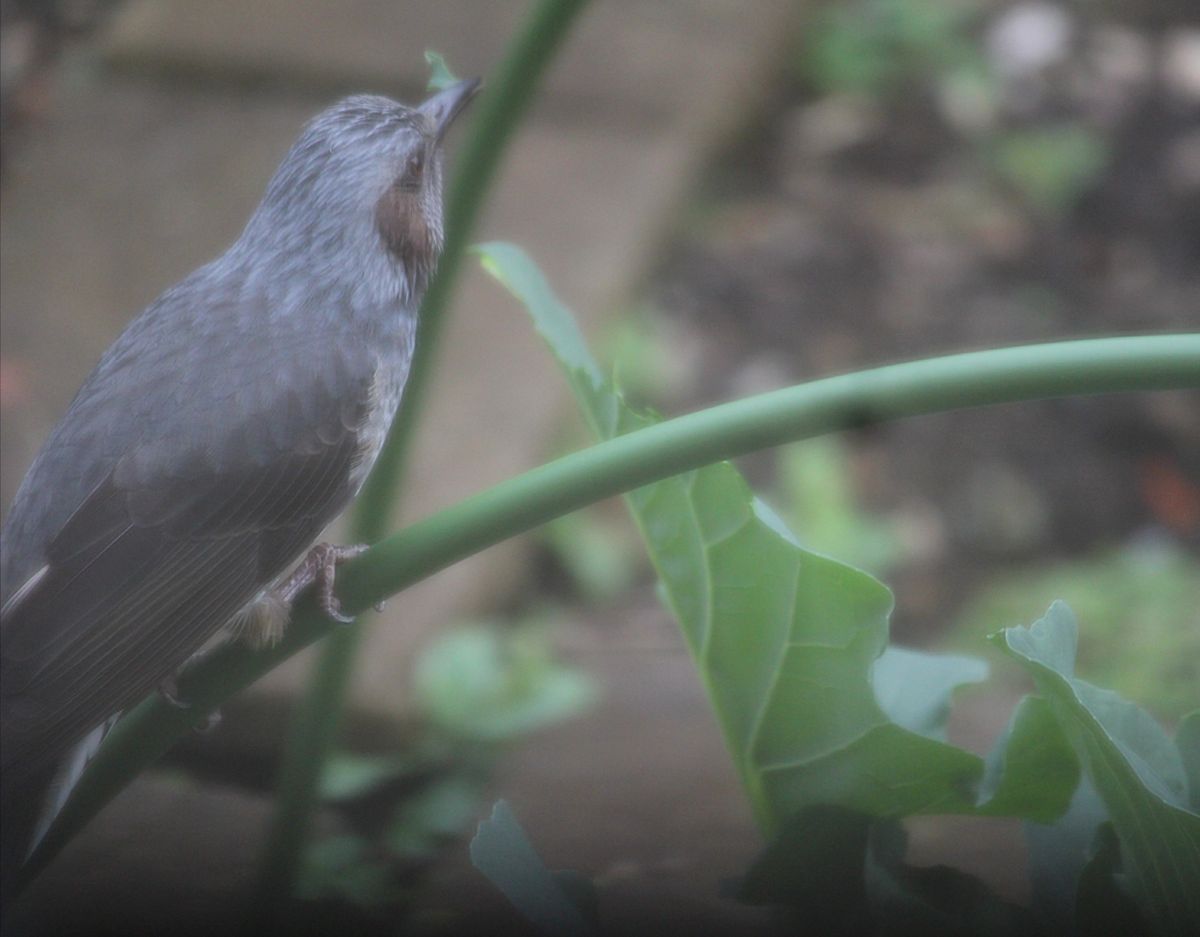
934	385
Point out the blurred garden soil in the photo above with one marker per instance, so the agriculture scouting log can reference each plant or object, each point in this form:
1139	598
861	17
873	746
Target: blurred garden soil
1023	174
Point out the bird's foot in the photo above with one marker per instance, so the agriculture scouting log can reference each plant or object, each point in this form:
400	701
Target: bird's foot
319	567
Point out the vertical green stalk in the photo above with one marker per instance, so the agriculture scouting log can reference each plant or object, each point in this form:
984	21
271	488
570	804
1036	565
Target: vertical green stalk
498	112
314	729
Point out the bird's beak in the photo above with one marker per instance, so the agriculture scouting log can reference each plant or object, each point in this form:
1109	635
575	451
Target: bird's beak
441	109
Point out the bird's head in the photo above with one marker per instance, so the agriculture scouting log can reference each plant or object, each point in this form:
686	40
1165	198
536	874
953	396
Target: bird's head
363	180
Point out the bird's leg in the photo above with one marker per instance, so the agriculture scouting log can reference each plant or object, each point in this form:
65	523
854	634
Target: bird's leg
319	567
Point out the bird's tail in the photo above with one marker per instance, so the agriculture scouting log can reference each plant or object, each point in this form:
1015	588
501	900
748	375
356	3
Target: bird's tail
31	800
22	801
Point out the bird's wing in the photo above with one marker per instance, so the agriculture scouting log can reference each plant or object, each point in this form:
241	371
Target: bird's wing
168	547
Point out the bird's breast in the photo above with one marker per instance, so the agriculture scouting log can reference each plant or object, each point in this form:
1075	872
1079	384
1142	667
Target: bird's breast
383	399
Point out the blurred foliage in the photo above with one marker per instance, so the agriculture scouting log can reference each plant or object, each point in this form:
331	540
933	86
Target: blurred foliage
478	686
647	364
1050	167
437	814
348	776
597	552
1142	606
879	47
349	868
490	683
816	484
886	49
402	809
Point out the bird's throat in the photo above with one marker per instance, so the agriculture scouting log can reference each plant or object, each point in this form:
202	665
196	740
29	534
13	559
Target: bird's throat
409	234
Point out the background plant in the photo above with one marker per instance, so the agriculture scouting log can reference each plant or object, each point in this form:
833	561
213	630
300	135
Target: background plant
882	51
838	735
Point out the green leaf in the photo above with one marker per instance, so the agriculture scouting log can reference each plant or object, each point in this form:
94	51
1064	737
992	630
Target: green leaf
346	776
787	644
1143	742
481	684
1051	642
914	687
1051	167
440	76
1136	769
1140	604
442	810
784	640
502	852
882	47
344	867
1032	771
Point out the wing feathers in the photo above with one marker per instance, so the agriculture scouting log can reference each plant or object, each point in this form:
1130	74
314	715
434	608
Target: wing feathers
156	560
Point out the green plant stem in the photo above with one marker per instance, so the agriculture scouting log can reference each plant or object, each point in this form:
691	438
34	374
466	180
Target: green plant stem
800	412
954	382
314	728
498	113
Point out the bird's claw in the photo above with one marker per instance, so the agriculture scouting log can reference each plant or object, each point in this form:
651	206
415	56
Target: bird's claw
168	689
319	568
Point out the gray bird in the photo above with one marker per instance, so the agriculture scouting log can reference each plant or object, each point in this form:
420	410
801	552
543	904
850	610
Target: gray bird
221	432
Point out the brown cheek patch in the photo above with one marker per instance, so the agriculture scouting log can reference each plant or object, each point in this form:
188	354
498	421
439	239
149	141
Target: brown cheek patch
404	230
